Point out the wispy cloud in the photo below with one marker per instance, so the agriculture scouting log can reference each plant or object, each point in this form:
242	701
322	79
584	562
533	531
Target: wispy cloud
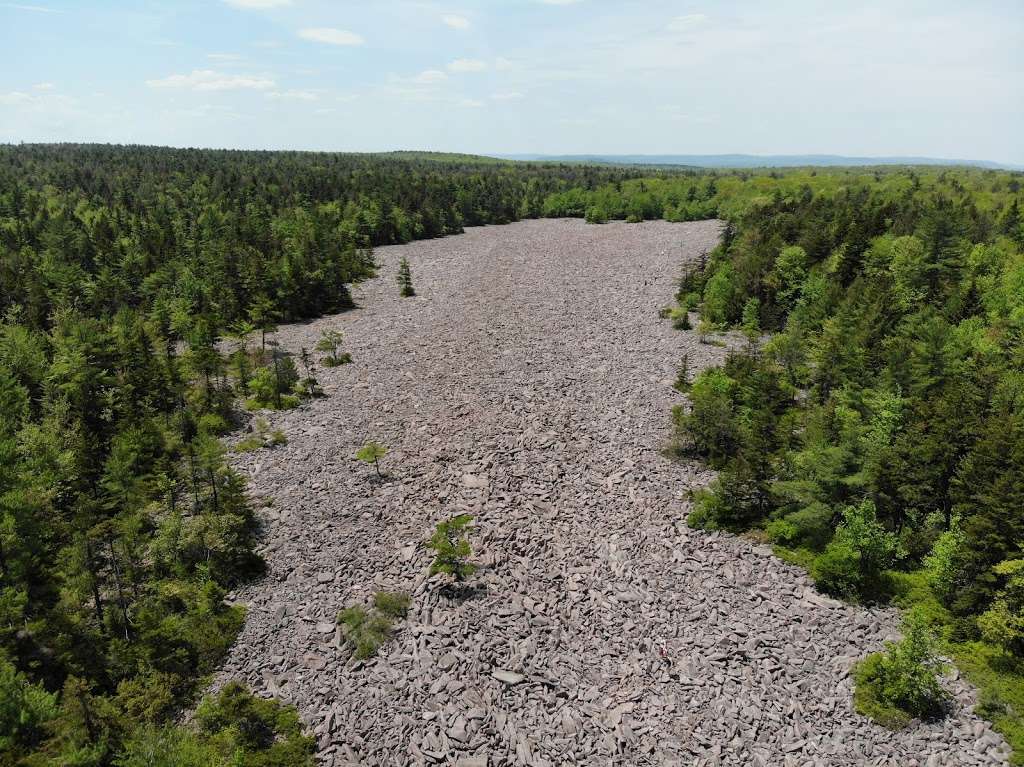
560	2
258	5
471	103
467	65
295	95
44	86
687	22
33	8
430	76
455	21
209	80
331	36
224	56
506	95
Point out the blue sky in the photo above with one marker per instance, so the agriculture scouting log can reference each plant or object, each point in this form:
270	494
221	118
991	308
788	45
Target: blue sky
935	78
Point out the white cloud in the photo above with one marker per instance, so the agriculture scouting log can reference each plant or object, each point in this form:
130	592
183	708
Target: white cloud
294	95
258	5
35	8
455	21
687	22
506	96
14	98
331	36
503	65
430	76
224	56
209	80
471	103
467	65
44	86
559	2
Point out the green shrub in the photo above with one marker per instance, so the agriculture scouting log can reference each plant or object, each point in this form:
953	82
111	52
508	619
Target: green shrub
596	215
262	437
451	548
269	388
213	423
231	728
680	319
634	218
330	342
809	527
1003	623
367	630
854	562
709	427
393	604
342	358
902	683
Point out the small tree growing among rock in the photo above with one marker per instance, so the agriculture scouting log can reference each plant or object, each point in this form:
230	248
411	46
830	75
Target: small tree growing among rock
330	342
404	279
451	549
372	452
682	383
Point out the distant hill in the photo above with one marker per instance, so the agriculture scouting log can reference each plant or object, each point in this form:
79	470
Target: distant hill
752	160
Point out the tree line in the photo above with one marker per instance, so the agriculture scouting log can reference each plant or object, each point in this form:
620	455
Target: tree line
875	431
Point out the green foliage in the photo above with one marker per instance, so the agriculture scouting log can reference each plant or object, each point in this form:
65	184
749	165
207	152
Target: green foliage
393	604
751	320
1002	624
262	436
231	728
682	382
330	342
368	630
901	683
451	548
25	711
596	215
404	279
271	386
680	318
372	452
854	562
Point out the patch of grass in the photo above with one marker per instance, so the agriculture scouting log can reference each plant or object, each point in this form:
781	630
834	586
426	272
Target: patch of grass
368	630
262	437
288	401
1000	684
394	604
343	358
799	557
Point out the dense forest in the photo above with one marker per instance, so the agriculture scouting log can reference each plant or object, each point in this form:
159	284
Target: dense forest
123	273
875	432
136	286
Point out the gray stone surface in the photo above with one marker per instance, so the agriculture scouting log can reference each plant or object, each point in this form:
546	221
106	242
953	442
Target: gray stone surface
529	384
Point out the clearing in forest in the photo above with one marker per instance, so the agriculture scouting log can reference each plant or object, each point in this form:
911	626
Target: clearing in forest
528	383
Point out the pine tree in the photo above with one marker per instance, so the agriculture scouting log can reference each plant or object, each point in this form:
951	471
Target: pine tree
404	279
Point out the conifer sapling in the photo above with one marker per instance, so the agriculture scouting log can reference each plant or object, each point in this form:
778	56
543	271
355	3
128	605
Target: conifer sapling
451	548
404	279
